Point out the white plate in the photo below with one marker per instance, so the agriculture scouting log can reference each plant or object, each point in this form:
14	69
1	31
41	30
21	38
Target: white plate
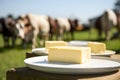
78	43
106	53
40	51
96	65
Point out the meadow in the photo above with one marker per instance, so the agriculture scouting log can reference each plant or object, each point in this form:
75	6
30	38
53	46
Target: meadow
14	57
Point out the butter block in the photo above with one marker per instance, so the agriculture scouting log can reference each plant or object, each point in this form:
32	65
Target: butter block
97	47
54	43
69	54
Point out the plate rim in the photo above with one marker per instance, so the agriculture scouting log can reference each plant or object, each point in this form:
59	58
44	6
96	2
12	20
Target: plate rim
101	68
93	54
112	52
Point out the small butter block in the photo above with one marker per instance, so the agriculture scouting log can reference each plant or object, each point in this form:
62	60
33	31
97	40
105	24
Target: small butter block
55	43
97	47
69	54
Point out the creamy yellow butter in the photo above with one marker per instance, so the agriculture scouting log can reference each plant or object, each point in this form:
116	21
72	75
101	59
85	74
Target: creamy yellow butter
97	47
54	43
69	54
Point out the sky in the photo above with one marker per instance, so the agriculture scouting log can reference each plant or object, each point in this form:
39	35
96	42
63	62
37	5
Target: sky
81	9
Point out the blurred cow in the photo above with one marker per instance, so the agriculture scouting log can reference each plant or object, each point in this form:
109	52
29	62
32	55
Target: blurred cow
66	26
60	25
63	26
54	29
117	34
74	26
31	26
118	21
7	28
104	23
96	23
108	20
1	25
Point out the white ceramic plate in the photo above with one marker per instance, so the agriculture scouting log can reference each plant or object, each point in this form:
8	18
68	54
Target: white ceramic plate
40	51
96	65
106	53
77	43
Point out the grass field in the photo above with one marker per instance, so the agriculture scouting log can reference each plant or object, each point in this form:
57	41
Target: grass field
14	57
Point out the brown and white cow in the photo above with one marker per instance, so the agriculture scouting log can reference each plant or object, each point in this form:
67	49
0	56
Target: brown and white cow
67	26
108	20
74	26
63	26
96	23
7	29
118	21
31	26
54	29
117	34
104	23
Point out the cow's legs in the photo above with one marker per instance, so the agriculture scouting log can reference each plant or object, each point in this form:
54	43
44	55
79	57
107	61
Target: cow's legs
34	38
34	41
44	38
51	35
99	33
6	41
107	37
72	35
42	41
13	41
60	34
107	33
24	44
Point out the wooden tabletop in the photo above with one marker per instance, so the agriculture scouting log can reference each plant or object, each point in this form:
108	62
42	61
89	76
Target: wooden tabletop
25	73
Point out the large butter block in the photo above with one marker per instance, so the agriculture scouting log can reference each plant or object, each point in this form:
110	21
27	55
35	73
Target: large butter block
69	54
97	47
55	43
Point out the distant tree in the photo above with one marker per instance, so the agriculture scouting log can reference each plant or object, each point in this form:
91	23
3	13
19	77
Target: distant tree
117	6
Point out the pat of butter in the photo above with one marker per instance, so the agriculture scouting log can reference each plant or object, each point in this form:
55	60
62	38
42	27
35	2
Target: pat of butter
97	47
69	54
55	43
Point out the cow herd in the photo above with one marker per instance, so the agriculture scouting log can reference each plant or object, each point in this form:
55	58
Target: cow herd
30	27
105	22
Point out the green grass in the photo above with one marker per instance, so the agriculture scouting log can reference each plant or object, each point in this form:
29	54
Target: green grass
14	57
10	58
111	45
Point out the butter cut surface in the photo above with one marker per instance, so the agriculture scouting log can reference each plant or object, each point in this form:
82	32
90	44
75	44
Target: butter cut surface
97	47
69	54
54	43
